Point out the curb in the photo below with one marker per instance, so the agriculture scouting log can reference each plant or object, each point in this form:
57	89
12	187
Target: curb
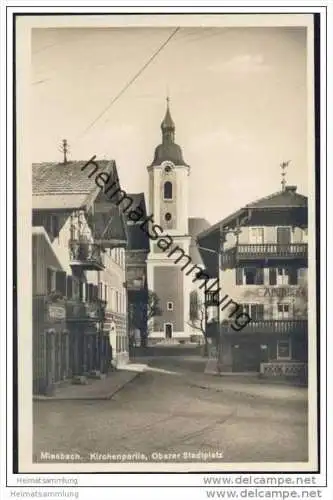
104	397
239	392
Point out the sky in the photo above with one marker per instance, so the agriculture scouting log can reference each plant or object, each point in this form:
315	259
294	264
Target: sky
238	97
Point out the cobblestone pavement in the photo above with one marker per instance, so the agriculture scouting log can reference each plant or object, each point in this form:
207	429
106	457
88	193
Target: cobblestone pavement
160	413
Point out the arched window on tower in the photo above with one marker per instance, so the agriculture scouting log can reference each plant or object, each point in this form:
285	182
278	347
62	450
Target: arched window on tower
168	190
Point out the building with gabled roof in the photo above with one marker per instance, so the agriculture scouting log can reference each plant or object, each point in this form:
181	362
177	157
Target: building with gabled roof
259	257
84	228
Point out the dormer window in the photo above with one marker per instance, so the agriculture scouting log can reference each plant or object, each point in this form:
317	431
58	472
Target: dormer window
168	190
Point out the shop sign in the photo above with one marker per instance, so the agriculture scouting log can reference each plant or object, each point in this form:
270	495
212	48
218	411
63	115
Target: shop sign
281	292
56	312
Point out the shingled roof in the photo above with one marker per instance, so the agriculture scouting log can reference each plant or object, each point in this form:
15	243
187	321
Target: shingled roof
285	199
138	201
137	237
66	185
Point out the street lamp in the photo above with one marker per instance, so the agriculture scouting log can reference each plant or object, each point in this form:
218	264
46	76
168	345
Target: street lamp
212	304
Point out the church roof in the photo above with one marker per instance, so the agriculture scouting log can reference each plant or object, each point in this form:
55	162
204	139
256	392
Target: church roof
168	150
168	122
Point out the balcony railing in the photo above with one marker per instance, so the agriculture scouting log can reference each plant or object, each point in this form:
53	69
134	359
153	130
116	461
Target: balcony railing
85	311
279	326
86	255
266	251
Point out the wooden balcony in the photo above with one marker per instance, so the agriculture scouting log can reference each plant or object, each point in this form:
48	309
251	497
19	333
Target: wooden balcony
280	327
244	253
85	255
85	311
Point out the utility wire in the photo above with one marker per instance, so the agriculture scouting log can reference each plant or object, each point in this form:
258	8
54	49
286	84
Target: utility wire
102	113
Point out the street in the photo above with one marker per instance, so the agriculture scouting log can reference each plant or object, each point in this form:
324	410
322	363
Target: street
166	410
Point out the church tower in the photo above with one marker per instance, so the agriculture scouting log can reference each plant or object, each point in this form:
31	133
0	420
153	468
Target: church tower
168	203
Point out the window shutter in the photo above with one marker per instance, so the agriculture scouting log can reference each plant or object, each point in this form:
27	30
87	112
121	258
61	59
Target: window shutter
272	276
239	276
69	287
49	280
61	282
55	226
260	311
259	280
292	276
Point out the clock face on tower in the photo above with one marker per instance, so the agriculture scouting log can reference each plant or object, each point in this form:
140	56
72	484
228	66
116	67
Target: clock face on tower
167	167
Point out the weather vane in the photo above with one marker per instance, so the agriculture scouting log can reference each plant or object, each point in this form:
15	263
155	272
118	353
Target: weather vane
283	166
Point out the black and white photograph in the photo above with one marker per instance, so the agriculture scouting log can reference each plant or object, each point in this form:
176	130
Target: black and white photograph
166	187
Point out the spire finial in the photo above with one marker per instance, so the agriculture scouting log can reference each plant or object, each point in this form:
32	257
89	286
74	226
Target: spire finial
283	166
168	95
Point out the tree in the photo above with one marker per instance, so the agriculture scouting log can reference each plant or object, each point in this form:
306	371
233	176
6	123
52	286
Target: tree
141	316
197	316
154	308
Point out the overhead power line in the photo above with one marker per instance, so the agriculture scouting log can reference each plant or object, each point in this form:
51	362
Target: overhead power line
132	80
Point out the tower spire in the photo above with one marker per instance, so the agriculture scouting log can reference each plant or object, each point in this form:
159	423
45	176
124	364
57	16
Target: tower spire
168	125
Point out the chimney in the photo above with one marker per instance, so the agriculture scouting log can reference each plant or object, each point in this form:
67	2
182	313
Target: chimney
291	189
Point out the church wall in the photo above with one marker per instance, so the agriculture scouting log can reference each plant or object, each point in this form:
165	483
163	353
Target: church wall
168	285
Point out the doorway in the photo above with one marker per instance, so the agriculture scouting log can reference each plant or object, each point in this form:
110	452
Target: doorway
283	235
168	330
246	357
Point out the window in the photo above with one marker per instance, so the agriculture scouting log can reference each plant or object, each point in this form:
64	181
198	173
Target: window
168	216
51	280
255	311
272	276
168	190
283	235
170	306
90	292
52	225
61	282
250	276
282	276
256	235
283	311
283	349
